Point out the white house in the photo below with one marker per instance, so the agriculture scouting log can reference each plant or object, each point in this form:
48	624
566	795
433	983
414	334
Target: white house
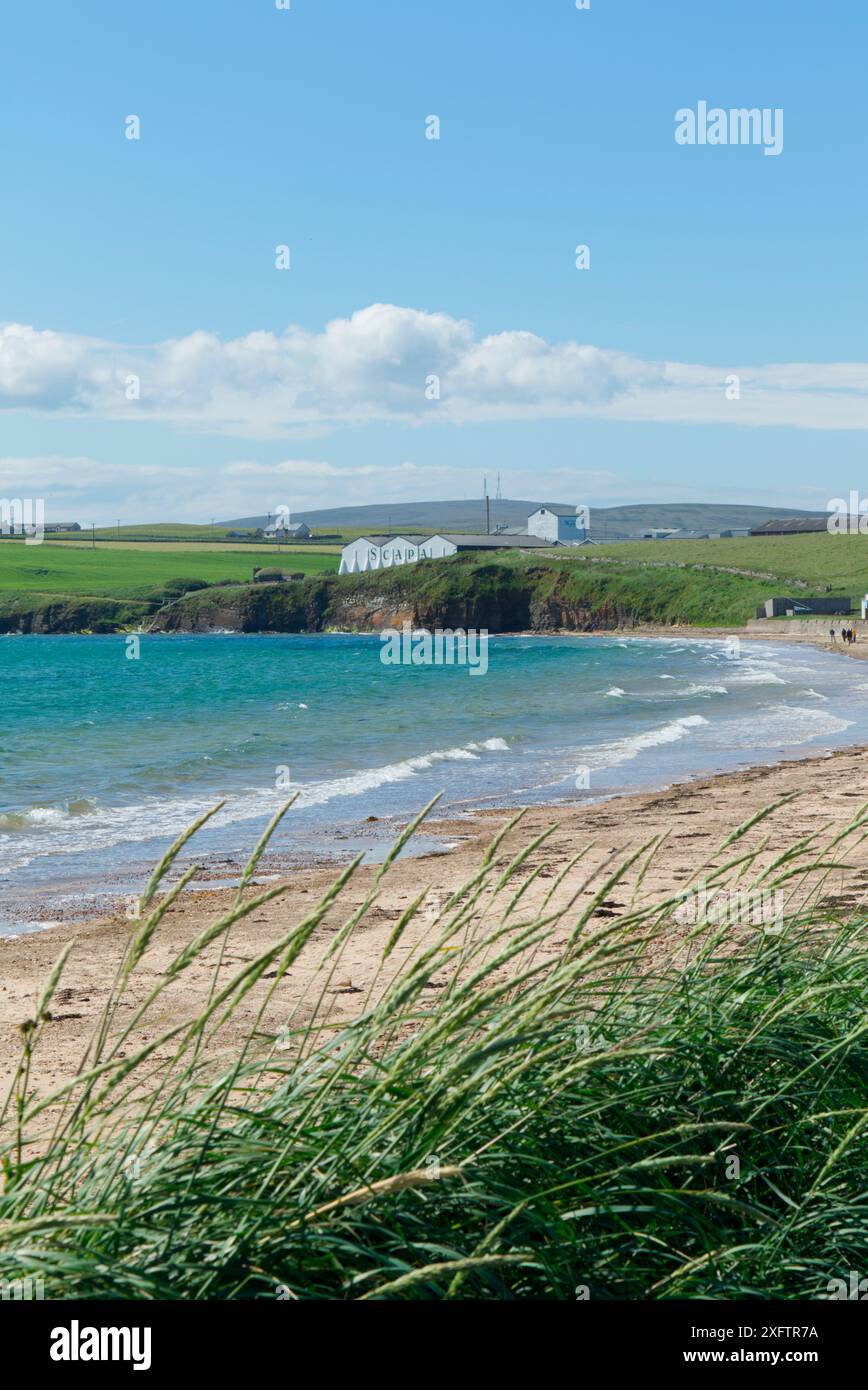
558	525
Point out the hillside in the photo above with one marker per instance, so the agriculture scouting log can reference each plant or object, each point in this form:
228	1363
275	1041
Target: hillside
838	564
469	515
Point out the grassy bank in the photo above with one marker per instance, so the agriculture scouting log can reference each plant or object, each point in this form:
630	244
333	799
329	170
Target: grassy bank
514	592
816	560
504	1118
706	584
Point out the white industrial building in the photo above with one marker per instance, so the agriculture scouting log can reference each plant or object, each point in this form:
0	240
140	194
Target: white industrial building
559	525
382	552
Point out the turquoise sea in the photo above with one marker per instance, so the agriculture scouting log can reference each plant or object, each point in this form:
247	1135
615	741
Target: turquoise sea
104	760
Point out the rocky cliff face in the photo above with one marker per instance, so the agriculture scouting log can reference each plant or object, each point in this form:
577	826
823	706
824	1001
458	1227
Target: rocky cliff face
71	615
495	600
552	614
450	594
237	608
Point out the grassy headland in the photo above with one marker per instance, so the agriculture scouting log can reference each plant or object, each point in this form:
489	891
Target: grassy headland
64	587
582	590
60	587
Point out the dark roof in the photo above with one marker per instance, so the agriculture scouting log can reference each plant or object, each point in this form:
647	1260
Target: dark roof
792	526
555	509
462	540
686	535
469	542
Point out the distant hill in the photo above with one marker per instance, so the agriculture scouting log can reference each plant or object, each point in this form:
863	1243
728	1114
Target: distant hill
607	523
692	516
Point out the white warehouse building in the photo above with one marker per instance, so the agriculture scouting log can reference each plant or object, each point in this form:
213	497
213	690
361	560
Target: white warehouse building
559	525
382	552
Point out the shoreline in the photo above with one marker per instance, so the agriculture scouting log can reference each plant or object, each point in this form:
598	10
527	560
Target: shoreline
637	631
858	650
690	820
83	901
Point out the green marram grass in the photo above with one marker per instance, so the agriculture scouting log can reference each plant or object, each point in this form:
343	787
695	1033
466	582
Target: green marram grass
542	1125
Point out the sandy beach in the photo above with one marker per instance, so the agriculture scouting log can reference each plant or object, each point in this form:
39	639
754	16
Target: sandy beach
690	822
809	633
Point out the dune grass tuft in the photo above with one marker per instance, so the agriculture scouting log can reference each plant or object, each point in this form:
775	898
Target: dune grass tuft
530	1106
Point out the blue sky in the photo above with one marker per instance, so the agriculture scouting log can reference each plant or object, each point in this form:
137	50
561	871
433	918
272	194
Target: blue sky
155	258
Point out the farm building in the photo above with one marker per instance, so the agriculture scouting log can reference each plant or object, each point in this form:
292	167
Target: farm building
269	575
684	533
792	526
557	525
280	529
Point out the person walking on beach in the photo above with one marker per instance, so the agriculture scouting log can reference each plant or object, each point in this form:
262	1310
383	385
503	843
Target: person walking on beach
832	633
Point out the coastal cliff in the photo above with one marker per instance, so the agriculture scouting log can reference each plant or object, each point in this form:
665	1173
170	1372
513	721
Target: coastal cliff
517	595
465	593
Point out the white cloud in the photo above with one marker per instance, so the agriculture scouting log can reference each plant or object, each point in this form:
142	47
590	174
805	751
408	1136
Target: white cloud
374	366
299	469
89	490
86	489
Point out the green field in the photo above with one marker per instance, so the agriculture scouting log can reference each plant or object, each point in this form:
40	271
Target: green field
183	531
162	531
840	562
170	530
129	572
171	547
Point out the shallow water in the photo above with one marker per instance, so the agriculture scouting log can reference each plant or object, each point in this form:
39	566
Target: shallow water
104	760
